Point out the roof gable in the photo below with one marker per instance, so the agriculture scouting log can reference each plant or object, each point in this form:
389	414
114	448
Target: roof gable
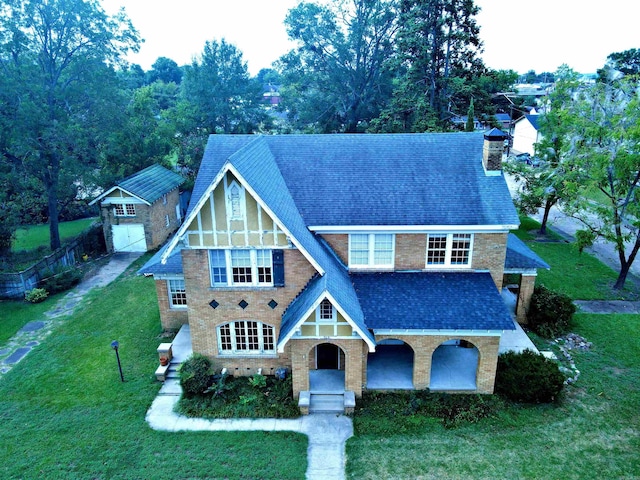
148	184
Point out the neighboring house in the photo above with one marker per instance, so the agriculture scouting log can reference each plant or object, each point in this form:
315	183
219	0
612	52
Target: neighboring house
504	119
140	212
334	254
526	134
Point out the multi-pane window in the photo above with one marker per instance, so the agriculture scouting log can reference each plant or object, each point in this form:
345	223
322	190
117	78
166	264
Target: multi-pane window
449	250
177	293
325	312
241	267
436	249
124	209
246	337
371	250
263	264
218	262
460	248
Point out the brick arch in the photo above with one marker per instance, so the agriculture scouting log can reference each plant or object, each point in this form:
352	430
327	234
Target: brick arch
464	361
353	349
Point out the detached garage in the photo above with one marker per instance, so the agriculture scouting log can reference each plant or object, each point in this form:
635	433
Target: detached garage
141	211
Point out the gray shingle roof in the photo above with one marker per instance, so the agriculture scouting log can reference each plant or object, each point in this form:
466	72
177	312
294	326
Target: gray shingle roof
395	179
521	257
151	183
173	265
464	301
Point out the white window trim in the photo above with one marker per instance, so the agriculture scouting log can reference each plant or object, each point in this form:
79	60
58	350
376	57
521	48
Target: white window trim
334	316
124	208
254	270
235	352
371	263
447	261
173	306
167	221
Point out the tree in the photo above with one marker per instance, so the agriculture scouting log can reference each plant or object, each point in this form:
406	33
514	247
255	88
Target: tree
626	62
334	80
470	125
219	89
546	185
57	57
605	147
438	49
165	70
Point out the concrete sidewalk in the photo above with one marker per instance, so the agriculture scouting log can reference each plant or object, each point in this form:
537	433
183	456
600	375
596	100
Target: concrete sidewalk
327	433
33	333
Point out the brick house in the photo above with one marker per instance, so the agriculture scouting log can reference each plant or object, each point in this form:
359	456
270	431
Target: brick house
141	211
366	261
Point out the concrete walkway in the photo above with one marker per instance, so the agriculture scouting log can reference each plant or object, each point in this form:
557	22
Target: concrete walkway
33	333
327	433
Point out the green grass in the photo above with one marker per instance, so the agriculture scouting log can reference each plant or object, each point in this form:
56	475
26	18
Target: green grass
36	236
16	314
65	414
594	432
580	276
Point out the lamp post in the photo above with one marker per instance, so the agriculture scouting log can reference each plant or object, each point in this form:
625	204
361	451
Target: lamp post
115	344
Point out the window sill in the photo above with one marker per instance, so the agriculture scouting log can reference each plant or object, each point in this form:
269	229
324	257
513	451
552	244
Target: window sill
247	355
178	307
243	288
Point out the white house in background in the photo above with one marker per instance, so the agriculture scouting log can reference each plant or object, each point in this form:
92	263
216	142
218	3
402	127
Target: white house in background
526	134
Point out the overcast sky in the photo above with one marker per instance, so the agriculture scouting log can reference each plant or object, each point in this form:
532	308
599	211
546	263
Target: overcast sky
520	35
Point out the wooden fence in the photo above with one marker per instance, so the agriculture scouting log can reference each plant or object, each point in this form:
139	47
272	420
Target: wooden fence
14	285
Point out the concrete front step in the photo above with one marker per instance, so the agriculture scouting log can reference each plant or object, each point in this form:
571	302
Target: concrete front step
326	403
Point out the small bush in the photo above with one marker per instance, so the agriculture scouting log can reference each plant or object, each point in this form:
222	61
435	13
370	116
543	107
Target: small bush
61	279
550	314
36	295
528	377
258	381
195	375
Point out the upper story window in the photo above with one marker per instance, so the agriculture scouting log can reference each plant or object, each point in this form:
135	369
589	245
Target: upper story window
246	268
449	250
246	338
124	209
325	312
371	250
177	293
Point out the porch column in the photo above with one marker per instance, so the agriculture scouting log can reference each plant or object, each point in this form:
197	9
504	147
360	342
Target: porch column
488	348
422	368
300	369
354	351
527	284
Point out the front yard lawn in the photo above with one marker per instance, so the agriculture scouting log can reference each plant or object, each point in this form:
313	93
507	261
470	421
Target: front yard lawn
65	413
594	432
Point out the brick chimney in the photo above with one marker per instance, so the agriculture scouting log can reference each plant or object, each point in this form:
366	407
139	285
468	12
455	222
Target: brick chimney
492	151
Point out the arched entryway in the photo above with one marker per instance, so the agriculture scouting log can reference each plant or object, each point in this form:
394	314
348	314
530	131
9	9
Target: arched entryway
390	367
326	369
454	366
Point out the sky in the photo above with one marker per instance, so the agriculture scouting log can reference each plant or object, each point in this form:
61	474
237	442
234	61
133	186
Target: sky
519	35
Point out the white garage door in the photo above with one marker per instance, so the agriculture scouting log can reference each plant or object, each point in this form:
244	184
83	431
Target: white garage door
129	238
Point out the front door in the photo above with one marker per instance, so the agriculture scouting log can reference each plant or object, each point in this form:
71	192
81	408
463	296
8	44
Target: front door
327	357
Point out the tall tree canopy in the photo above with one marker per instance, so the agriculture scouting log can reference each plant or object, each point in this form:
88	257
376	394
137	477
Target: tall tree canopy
334	80
437	58
605	148
546	185
219	90
57	58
